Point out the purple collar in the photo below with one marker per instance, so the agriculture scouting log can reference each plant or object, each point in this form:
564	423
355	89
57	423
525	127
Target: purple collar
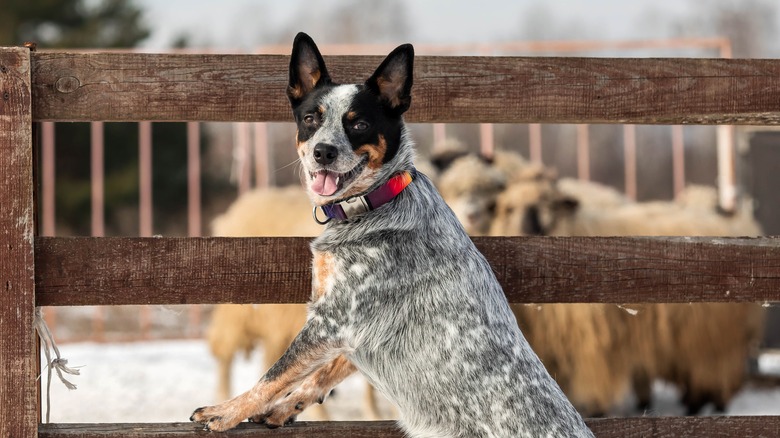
352	207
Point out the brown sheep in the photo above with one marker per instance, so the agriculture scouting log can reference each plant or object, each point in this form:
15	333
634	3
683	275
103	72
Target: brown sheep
682	343
581	346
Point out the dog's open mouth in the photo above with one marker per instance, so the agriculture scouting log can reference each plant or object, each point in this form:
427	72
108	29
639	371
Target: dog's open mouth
328	183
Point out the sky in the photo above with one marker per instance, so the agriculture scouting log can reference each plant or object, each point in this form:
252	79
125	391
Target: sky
236	24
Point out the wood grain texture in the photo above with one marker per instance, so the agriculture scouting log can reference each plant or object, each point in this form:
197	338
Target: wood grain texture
106	271
645	427
18	348
133	86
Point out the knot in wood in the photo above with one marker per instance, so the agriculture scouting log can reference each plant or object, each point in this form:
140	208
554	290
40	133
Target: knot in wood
6	95
67	84
3	69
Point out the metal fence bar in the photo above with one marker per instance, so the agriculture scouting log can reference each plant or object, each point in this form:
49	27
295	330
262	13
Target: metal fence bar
629	159
194	219
535	143
583	153
487	144
145	183
439	135
97	180
48	178
241	140
678	159
727	184
263	156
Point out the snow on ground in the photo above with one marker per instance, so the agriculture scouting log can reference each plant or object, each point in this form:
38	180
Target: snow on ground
160	381
164	381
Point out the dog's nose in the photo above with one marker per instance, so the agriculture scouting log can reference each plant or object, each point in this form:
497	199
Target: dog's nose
325	153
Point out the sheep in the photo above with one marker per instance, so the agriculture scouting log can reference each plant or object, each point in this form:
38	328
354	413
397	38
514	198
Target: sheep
469	186
595	195
740	222
470	183
682	343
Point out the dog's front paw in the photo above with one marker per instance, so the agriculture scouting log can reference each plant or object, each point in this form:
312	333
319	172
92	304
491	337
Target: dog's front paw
216	418
284	412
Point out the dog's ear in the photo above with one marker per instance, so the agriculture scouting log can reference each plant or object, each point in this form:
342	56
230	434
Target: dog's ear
307	69
392	80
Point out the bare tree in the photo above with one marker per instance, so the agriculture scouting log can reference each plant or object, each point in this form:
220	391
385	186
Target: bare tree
751	25
351	21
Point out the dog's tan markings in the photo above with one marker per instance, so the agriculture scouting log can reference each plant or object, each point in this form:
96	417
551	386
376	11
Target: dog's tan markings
295	91
312	390
390	88
309	79
351	115
282	379
314	77
322	270
376	153
298	144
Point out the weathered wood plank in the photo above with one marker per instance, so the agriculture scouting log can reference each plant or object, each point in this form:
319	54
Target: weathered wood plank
649	427
18	348
133	86
340	429
105	271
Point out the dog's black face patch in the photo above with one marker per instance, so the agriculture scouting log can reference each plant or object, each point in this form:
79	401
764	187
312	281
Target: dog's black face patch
369	123
310	112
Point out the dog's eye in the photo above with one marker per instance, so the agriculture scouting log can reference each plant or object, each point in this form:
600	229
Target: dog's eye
360	126
310	119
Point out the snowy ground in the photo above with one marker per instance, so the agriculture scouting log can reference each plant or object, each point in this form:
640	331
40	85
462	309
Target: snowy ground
163	381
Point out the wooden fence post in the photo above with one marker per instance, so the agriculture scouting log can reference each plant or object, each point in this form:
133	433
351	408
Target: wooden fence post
18	347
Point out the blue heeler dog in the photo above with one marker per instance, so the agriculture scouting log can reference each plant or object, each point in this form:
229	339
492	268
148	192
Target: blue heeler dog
399	290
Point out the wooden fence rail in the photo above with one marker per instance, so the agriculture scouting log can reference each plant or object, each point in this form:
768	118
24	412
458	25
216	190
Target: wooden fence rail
133	86
111	271
125	86
657	427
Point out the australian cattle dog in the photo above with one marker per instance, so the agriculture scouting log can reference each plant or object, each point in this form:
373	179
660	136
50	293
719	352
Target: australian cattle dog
399	292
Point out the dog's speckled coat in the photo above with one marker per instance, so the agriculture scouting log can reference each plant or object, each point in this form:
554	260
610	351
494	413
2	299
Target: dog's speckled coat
399	292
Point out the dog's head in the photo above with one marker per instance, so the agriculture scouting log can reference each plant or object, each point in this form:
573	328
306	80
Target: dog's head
350	138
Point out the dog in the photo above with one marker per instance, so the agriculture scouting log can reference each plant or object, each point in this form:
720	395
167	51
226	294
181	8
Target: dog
399	290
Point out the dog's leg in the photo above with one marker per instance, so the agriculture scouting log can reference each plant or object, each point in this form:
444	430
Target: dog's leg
311	350
312	390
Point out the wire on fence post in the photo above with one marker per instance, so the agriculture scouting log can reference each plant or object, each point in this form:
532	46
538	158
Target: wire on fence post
59	364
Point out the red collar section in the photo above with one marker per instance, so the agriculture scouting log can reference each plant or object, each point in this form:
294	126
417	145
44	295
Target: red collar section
358	205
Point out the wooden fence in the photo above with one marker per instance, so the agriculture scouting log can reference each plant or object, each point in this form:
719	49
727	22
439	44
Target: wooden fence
50	271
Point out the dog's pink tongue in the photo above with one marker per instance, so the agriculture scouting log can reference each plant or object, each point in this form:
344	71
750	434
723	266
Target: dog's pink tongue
324	183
